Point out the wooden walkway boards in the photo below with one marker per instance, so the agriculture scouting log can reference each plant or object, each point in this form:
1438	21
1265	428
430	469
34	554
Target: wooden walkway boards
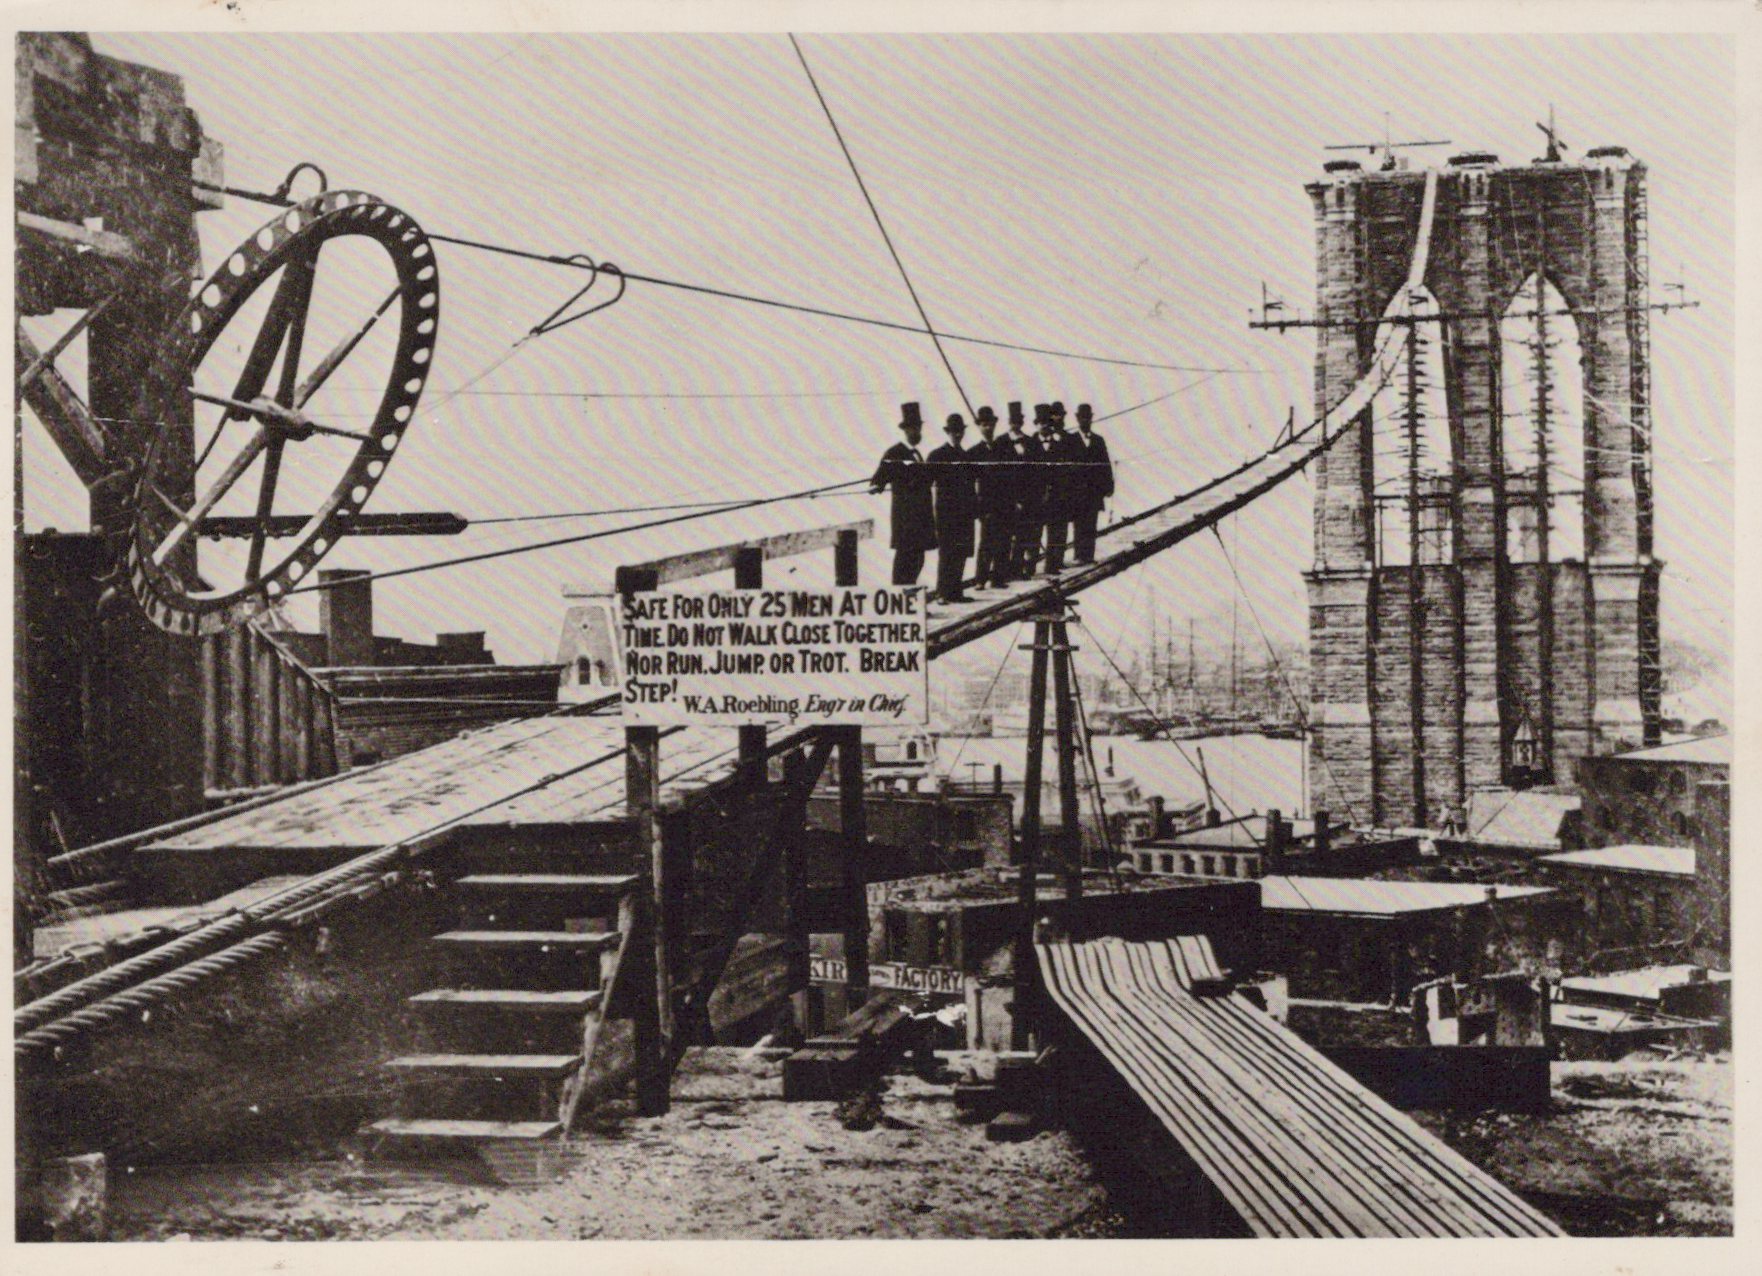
1294	1144
484	778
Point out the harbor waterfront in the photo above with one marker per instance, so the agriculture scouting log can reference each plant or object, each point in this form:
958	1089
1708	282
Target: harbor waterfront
1251	772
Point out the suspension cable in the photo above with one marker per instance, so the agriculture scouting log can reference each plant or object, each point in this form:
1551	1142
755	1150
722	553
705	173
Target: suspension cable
1278	666
879	224
729	294
557	542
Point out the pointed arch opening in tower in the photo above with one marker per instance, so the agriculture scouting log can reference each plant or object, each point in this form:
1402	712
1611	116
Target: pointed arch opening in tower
1410	444
1542	389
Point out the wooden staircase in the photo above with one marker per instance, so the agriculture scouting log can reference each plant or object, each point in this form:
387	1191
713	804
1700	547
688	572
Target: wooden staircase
534	974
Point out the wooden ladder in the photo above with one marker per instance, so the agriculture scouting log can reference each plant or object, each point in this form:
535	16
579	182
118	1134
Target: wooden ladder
536	967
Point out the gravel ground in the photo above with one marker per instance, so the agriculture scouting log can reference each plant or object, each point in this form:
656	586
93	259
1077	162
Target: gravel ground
732	1160
1642	1147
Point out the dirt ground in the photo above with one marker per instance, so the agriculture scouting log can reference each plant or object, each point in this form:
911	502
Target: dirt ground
1642	1147
1637	1148
731	1160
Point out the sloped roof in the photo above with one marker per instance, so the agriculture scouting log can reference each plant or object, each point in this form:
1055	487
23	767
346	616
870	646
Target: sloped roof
1524	818
1714	749
1673	861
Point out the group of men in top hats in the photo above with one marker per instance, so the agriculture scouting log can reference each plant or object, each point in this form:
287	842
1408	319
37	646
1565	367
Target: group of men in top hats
1018	498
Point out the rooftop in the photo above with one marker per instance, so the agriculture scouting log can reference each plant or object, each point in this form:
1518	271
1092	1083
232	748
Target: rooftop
1714	749
1529	818
1374	898
1642	985
1670	861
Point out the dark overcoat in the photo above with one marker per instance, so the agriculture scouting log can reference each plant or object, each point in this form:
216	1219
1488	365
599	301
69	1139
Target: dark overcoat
957	503
1097	481
903	472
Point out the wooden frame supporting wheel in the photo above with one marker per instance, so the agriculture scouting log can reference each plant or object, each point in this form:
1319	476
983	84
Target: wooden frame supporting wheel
172	500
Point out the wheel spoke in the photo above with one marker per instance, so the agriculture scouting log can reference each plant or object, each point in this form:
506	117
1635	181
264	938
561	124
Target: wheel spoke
290	296
234	471
344	348
265	507
295	421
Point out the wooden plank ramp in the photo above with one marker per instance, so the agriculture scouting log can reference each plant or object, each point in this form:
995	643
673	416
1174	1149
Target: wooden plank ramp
1294	1144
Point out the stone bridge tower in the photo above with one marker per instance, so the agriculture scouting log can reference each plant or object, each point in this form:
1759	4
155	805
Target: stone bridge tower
1486	657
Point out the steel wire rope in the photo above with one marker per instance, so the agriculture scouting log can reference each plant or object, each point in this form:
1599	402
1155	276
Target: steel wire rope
879	224
1302	717
1166	730
983	702
557	542
729	294
263	912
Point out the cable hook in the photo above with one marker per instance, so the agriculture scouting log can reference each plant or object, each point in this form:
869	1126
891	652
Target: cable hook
287	183
551	322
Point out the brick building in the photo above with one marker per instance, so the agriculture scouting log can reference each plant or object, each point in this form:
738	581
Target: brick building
1650	796
1373	941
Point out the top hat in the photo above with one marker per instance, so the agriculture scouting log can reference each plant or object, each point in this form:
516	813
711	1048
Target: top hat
1058	407
986	414
1015	412
1042	411
909	415
955	422
1084	412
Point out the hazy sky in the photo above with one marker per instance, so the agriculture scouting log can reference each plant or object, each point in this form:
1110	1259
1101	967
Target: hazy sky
1124	196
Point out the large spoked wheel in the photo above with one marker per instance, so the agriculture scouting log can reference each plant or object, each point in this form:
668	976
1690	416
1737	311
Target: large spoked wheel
278	451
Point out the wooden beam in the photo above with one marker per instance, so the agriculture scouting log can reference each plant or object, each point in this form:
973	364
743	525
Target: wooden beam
653	1026
278	525
1027	904
703	562
103	242
853	821
63	413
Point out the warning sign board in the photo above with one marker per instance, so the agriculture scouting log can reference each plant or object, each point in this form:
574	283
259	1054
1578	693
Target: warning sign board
843	656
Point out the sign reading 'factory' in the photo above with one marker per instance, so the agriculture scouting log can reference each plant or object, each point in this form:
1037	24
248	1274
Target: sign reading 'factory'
834	656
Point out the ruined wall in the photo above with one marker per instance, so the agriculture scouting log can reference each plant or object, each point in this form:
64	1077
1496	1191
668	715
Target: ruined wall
1558	651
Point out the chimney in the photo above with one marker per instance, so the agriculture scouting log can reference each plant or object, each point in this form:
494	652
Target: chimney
1324	834
464	648
345	617
1275	842
997	777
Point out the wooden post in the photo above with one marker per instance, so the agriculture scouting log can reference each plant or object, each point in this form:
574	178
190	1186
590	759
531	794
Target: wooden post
304	768
212	721
749	573
1026	901
642	799
1070	826
853	822
793	825
263	715
288	726
238	708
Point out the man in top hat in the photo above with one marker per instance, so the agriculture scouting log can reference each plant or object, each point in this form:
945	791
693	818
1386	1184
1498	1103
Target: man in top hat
1061	462
996	501
957	505
1036	487
1094	487
904	471
1016	453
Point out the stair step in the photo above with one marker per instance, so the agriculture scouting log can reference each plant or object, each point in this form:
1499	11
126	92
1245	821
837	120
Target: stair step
584	883
497	1065
525	1000
585	941
443	1128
